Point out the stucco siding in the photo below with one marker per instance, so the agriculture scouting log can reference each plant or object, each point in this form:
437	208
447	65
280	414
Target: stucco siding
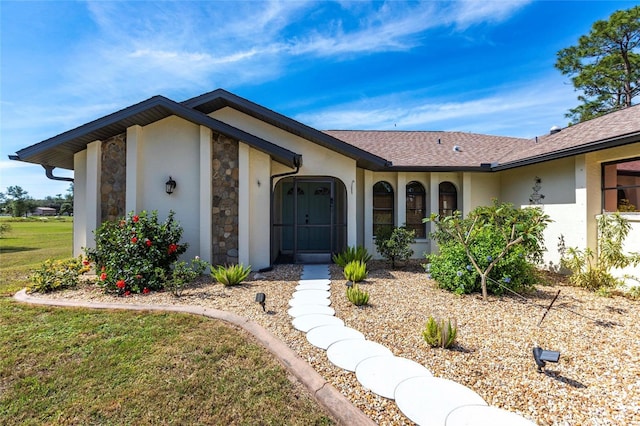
557	183
171	148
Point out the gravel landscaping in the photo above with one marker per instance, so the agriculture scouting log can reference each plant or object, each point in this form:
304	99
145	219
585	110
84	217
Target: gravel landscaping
596	382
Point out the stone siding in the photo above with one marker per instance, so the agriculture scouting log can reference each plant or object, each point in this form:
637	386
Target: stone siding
224	208
113	178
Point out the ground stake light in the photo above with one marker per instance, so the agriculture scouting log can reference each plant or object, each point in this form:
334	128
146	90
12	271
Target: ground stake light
260	298
542	357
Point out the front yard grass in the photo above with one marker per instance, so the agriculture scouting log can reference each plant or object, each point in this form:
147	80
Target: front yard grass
78	366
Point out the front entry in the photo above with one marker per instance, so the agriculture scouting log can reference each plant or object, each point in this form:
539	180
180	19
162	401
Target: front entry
309	220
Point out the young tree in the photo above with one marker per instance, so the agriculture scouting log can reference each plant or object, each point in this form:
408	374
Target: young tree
19	202
605	65
489	234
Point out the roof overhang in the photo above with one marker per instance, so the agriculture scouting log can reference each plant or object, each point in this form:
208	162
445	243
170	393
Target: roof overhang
569	152
218	99
59	150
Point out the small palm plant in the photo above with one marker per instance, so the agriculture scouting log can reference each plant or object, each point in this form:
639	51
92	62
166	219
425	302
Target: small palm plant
230	275
355	271
350	254
437	333
356	296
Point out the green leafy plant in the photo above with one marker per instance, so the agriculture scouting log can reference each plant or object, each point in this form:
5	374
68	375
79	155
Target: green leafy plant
58	274
5	228
592	270
394	243
135	254
355	271
493	248
356	296
183	273
438	333
230	275
350	254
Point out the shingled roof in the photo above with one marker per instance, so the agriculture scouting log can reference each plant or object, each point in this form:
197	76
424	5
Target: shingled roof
420	150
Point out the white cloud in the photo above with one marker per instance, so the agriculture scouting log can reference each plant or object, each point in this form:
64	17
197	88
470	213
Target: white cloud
509	111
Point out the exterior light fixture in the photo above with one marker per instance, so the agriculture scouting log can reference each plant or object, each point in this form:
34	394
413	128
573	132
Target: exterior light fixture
170	185
260	298
349	284
542	357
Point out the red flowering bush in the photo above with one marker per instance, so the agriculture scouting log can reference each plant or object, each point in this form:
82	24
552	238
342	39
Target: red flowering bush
136	253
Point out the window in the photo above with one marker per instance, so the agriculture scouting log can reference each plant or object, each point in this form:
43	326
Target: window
383	206
621	186
448	198
416	206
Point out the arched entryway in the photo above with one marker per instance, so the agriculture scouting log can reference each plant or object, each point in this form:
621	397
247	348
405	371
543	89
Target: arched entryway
310	219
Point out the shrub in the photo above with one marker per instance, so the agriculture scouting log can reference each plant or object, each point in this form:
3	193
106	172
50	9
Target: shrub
437	333
356	296
230	275
5	228
492	249
592	270
183	273
136	253
58	274
355	271
394	243
350	254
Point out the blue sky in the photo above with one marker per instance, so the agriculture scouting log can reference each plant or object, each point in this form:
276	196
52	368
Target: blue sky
476	66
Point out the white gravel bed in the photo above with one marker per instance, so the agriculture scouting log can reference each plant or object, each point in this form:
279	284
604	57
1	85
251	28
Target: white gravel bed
596	382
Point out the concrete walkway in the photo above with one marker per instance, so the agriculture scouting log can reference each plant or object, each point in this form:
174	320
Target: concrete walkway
333	401
424	399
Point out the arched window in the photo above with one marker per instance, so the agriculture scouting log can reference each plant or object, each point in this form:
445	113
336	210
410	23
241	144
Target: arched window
416	207
448	198
383	206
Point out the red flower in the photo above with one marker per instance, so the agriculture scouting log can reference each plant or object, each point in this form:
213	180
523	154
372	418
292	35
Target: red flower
127	293
148	243
121	284
146	290
136	218
103	276
134	240
85	262
172	248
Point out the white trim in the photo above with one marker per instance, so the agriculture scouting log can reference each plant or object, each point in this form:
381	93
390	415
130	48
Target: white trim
206	179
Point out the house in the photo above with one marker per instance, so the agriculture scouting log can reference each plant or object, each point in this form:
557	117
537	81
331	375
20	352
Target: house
256	187
45	211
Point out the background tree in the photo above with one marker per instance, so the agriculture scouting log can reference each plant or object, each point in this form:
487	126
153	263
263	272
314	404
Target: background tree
604	65
18	201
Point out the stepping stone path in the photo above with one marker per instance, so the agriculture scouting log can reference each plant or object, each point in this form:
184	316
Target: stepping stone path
424	399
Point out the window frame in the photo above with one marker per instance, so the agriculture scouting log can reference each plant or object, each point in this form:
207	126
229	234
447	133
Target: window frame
418	211
388	193
604	188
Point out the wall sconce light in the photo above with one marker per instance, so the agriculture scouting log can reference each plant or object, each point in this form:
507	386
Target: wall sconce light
260	298
170	185
542	357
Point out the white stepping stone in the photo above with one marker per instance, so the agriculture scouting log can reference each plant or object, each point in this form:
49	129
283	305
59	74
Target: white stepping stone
319	281
300	310
429	400
314	276
485	415
318	301
311	295
313	286
307	322
325	335
382	374
348	353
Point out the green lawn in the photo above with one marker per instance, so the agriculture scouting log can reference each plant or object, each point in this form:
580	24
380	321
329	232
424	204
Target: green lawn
77	366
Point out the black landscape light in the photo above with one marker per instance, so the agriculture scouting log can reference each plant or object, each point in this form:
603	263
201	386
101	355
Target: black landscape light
542	357
349	284
260	298
170	185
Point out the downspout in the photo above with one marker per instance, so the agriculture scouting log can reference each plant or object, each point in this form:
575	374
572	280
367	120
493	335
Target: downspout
49	172
297	162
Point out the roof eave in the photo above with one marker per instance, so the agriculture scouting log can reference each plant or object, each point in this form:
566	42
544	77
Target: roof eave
568	152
